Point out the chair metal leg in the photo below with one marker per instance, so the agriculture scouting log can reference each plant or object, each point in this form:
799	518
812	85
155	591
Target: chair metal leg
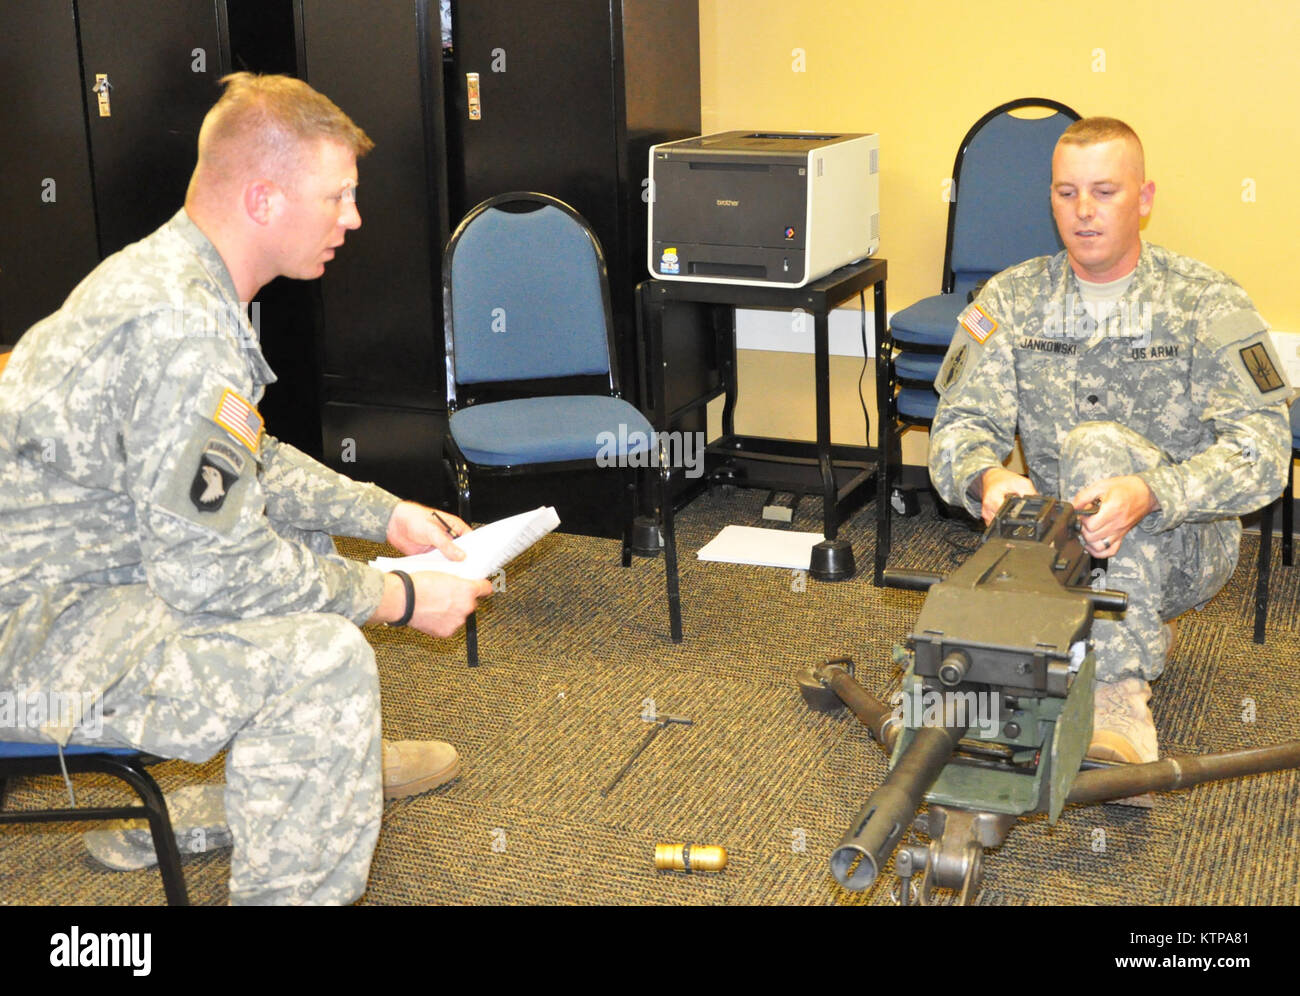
629	517
462	491
465	511
132	771
471	639
1265	566
670	557
885	431
884	473
1288	514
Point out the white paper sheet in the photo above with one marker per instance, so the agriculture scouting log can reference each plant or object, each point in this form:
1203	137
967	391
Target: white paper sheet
761	547
486	548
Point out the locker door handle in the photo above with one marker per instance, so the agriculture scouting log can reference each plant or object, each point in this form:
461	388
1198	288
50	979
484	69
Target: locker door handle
101	90
474	102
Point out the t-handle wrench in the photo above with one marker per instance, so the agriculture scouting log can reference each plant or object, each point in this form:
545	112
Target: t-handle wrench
661	721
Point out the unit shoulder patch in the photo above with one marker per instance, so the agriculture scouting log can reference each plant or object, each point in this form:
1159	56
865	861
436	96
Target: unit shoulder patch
1263	371
954	365
220	465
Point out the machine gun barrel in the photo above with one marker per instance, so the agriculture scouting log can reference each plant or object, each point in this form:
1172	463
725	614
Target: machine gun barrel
1180	771
890	809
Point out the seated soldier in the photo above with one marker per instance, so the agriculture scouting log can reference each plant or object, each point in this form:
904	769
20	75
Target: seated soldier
1136	377
166	557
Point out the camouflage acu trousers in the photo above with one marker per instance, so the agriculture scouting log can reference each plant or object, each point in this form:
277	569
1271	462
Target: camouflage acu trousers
295	699
1164	573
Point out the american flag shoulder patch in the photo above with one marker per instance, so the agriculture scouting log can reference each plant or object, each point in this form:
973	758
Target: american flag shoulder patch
240	419
978	323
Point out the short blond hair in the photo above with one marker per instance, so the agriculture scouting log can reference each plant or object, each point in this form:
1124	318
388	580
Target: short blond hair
1092	131
264	123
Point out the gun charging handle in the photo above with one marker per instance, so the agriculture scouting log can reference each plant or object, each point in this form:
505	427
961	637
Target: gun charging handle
909	580
1103	600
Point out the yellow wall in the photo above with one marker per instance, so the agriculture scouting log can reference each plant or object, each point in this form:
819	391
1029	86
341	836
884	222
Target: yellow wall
1213	88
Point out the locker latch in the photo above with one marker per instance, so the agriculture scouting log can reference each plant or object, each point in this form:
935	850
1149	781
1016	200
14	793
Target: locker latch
471	87
101	88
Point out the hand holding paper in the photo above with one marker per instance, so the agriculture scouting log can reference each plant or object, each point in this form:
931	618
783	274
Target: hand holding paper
414	528
486	548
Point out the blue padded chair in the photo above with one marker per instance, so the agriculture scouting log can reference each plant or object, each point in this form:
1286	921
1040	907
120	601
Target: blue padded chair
21	759
532	377
999	215
1287	501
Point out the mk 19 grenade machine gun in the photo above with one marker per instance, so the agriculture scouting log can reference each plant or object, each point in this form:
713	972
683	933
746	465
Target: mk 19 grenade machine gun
996	709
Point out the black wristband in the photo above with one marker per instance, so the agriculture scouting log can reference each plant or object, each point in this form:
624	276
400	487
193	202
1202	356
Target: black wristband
409	585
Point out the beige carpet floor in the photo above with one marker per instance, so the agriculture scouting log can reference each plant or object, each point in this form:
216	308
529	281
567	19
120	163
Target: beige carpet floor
575	646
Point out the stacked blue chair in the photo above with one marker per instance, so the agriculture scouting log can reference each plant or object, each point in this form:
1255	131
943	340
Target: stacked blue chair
999	214
532	377
23	759
1287	501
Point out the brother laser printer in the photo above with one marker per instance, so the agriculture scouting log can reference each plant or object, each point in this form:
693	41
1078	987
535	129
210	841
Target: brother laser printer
769	209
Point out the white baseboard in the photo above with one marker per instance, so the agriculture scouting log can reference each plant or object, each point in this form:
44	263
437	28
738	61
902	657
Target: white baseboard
1288	351
782	331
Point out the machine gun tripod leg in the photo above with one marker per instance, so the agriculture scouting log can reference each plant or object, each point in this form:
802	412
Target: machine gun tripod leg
1002	644
953	859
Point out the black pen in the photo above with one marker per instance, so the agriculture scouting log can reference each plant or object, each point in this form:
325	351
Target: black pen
443	522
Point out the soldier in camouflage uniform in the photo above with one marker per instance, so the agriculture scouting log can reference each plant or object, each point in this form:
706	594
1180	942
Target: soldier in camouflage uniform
1135	376
165	556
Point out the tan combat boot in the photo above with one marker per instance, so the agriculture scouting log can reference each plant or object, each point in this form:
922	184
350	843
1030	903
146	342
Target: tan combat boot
1123	729
415	766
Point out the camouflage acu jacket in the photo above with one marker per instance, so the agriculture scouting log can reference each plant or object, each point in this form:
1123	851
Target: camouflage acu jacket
1183	359
131	452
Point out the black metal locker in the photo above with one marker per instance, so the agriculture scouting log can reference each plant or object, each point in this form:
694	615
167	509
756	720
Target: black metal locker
572	96
545	118
384	407
262	40
76	186
78	183
47	240
162	62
